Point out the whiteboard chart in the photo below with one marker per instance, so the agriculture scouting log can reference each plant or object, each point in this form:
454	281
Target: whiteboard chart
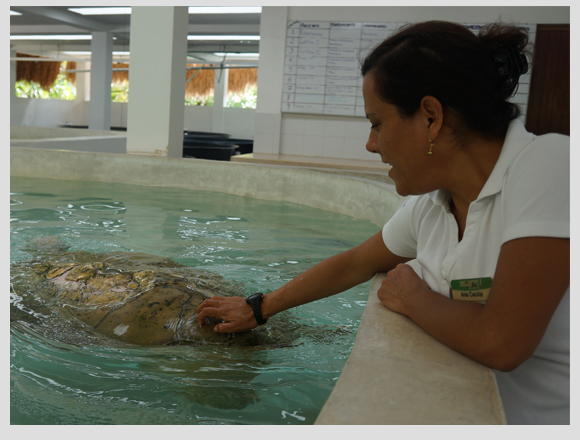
322	70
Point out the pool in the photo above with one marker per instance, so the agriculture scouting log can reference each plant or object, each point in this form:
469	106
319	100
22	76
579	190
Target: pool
259	244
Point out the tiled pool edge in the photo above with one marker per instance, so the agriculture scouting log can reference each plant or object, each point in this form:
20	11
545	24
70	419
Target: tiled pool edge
396	373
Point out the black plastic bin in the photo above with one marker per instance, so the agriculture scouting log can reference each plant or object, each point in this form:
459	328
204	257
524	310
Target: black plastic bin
211	151
214	146
204	134
245	146
86	127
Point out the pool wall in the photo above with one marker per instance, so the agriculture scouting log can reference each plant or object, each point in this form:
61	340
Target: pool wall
396	373
336	193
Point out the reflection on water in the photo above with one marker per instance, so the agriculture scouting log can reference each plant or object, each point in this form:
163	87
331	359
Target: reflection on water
63	372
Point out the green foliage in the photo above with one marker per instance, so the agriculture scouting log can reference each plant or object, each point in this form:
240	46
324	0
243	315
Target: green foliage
120	92
61	89
201	101
248	100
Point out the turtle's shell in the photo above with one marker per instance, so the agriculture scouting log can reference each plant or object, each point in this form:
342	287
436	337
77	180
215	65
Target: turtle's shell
137	298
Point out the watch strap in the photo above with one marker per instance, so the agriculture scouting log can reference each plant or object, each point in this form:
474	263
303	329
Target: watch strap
255	302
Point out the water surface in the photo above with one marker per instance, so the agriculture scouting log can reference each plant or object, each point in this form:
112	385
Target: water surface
257	244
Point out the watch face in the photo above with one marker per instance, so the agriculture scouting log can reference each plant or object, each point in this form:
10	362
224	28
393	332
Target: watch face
254	297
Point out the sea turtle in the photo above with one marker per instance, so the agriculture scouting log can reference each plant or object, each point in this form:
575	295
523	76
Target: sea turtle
133	297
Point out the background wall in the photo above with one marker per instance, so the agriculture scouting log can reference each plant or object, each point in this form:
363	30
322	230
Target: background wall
275	132
345	137
53	113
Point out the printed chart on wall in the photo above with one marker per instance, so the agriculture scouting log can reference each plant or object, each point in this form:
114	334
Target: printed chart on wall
322	69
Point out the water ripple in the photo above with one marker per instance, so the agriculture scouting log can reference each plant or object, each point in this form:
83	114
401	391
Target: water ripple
91	380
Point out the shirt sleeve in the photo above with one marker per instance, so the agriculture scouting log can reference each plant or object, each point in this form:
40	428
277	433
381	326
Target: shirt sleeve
400	232
536	200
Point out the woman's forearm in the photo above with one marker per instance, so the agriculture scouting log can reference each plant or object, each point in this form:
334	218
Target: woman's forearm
531	277
458	324
327	278
466	327
334	275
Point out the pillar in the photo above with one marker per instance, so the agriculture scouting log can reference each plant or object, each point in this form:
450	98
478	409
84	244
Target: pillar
83	81
220	99
273	23
101	76
12	80
157	80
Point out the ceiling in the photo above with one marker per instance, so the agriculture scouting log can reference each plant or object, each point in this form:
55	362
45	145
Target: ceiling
59	20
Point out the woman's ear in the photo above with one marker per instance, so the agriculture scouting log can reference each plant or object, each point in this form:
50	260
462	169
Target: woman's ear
432	113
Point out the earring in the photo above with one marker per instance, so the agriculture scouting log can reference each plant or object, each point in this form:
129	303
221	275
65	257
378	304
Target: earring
431	145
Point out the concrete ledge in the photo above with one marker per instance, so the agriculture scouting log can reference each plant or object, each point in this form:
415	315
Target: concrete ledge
399	375
30	132
68	139
104	144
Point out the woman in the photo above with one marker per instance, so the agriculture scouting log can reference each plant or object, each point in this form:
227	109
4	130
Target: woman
488	216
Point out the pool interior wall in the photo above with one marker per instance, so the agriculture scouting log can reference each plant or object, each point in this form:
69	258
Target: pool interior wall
396	373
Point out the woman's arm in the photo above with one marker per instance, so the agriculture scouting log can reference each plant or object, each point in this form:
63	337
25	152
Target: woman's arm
331	276
531	276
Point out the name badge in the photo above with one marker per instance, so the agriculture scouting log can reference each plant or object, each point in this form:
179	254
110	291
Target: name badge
472	289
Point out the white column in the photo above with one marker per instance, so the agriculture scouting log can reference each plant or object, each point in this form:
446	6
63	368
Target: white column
83	82
101	75
273	23
157	80
220	98
12	77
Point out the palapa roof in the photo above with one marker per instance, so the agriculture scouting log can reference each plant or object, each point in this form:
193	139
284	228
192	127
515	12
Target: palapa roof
43	72
202	84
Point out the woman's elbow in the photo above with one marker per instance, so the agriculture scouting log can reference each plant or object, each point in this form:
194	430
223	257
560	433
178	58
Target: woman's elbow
506	363
504	355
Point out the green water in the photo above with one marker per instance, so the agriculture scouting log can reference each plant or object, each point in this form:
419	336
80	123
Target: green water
256	243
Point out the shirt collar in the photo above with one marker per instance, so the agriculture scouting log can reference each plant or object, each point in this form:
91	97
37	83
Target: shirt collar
516	139
439	197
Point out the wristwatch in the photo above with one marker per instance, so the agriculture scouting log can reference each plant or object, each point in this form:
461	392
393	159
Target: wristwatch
255	301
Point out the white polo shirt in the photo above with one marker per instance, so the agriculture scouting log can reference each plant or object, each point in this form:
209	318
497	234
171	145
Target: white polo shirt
527	194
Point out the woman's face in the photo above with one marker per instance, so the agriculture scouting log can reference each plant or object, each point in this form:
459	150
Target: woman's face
401	142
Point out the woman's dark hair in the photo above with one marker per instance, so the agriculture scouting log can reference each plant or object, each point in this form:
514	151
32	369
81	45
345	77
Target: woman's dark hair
471	75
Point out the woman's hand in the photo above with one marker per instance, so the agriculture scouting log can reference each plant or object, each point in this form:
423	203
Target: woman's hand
395	289
237	315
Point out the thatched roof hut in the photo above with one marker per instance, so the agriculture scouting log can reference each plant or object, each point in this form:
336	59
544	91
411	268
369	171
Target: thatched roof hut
41	72
240	79
201	85
200	82
71	76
